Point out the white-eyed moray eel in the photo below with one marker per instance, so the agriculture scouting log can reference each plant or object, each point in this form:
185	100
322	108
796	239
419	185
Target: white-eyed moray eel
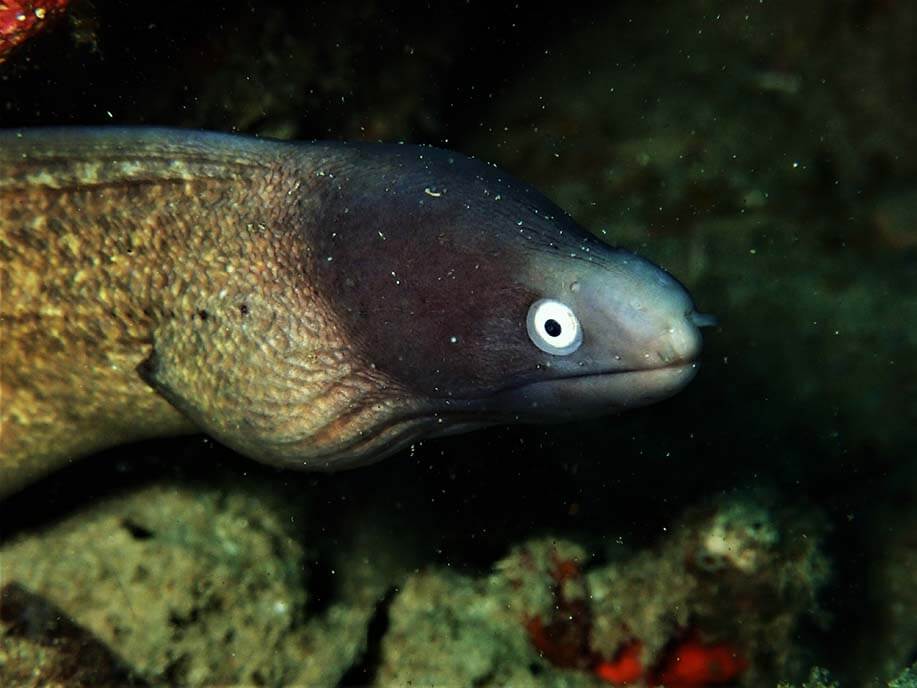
310	305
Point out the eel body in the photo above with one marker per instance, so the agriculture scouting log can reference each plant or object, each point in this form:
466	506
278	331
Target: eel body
312	305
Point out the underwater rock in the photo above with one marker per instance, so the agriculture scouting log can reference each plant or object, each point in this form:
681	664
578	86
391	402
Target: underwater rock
818	678
190	584
339	640
739	572
41	646
821	678
450	629
212	573
907	679
688	612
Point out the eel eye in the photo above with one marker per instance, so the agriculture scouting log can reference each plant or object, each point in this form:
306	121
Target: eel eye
553	327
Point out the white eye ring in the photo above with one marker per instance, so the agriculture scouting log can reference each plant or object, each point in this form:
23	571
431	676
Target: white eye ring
553	327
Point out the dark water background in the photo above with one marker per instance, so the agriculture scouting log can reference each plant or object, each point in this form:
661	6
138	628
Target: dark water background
763	152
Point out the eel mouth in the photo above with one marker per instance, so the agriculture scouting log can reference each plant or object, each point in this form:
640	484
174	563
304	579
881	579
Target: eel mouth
556	400
595	393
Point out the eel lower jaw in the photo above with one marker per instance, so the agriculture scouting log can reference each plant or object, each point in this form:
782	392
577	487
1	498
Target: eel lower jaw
594	394
556	400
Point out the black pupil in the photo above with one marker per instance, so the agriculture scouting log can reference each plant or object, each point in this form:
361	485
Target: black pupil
552	327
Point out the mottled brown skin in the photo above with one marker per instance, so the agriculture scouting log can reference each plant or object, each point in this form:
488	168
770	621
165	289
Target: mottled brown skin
312	305
103	254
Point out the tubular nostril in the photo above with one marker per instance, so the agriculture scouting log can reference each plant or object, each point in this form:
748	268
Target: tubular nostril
702	319
683	341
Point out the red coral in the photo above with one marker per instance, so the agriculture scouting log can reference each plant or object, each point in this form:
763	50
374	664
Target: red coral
565	569
564	641
22	19
691	664
688	663
625	668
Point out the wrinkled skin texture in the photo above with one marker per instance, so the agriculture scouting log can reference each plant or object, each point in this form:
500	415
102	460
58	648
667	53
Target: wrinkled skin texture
314	305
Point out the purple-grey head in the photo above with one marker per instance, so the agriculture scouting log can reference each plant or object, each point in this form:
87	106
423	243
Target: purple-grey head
483	302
